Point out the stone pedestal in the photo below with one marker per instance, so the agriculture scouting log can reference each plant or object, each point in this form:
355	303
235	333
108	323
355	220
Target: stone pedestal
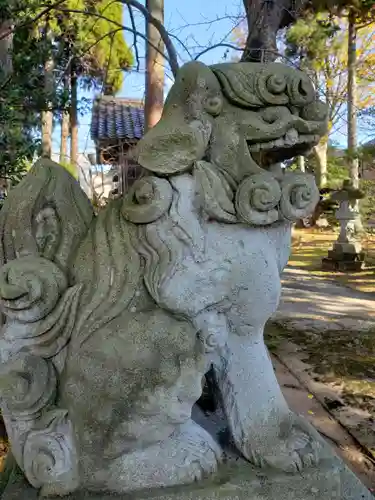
344	257
346	254
238	480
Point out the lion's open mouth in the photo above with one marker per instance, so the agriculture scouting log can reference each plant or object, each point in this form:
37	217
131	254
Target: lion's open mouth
291	144
291	138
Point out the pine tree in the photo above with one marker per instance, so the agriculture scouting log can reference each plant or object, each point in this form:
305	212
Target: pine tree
319	45
96	47
95	51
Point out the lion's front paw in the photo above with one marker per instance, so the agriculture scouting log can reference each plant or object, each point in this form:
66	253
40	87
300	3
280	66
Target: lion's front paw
188	455
294	449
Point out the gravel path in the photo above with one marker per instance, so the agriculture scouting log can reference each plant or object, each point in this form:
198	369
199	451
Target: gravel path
309	300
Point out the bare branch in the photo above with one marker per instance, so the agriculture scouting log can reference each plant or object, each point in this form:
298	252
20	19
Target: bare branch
217	45
135	44
173	61
88	49
182	44
31	21
172	55
102	11
223	41
209	22
121	27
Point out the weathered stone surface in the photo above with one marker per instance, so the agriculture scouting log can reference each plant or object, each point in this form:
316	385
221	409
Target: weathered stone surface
112	322
347	250
236	479
238	482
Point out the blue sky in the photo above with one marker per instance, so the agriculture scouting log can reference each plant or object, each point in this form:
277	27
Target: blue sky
198	24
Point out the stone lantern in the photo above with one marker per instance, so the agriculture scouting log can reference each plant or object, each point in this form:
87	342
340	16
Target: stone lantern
346	254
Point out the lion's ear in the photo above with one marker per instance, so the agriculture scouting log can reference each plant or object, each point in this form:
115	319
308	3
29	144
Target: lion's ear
173	145
45	215
182	135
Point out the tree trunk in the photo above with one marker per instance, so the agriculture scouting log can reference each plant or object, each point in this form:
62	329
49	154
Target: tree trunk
352	108
263	22
320	152
154	100
73	117
6	45
6	48
352	100
47	125
264	19
47	114
301	163
6	68
65	123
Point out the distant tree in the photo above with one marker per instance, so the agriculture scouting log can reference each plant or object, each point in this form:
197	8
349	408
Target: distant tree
337	168
265	19
19	93
90	51
318	44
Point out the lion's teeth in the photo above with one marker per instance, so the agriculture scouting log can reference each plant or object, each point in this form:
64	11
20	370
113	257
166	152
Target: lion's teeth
291	137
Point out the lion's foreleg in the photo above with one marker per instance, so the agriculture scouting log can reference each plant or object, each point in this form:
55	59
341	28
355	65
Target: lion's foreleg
252	399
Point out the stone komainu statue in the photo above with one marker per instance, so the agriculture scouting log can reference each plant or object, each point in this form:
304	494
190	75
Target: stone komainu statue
112	321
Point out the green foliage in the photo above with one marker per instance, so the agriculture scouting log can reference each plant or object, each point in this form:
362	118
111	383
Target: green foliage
367	205
72	169
98	53
317	45
18	119
21	99
17	144
311	40
362	8
97	45
337	172
337	169
111	56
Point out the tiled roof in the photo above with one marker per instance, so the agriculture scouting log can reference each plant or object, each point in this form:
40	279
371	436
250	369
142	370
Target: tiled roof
117	118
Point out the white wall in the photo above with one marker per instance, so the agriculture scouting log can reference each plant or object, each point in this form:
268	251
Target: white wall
89	177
